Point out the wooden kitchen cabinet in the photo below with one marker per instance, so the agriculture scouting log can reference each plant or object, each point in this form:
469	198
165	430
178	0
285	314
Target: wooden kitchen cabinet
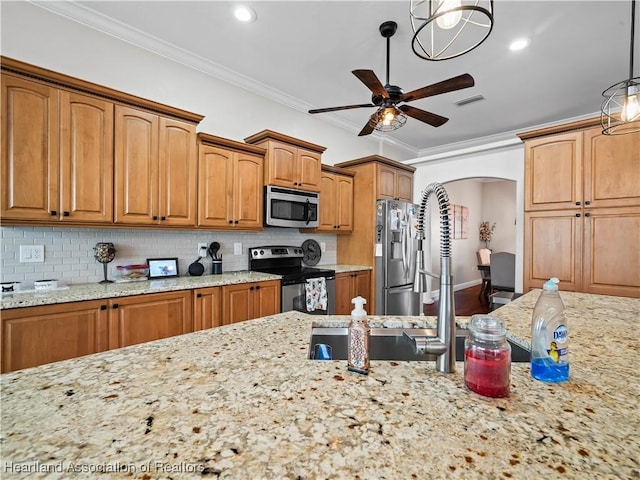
143	318
394	183
582	208
370	184
336	201
207	308
57	154
33	336
582	168
155	169
230	176
245	301
350	285
69	144
289	162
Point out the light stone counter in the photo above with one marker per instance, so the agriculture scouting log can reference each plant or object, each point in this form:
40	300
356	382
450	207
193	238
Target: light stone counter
94	291
242	401
340	268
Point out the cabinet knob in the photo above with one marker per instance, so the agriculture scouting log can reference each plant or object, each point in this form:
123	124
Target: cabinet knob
577	215
163	218
230	221
252	288
578	203
199	295
587	214
155	217
65	214
588	202
257	287
103	307
236	221
53	213
115	306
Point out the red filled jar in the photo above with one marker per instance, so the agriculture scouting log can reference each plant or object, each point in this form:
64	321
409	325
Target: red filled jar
487	357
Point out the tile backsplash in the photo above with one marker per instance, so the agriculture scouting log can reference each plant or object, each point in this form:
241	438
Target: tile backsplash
68	252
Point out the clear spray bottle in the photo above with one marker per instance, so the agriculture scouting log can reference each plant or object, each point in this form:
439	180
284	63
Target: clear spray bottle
358	341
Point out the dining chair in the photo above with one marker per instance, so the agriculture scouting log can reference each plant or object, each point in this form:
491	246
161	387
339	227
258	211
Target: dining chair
503	277
483	255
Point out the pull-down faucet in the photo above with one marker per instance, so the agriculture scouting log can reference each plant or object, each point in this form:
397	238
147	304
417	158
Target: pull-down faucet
444	344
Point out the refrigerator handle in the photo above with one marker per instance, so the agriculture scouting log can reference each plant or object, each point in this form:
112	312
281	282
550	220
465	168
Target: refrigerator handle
405	246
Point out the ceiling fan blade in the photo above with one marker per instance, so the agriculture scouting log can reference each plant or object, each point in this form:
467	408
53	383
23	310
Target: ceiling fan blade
424	116
345	107
371	81
368	128
450	85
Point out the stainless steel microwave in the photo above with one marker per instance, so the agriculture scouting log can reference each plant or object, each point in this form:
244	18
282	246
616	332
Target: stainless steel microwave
286	207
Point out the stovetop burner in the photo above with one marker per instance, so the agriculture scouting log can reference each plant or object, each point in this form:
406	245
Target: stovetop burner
285	261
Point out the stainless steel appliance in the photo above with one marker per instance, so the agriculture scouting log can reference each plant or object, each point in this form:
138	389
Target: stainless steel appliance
396	249
286	261
285	207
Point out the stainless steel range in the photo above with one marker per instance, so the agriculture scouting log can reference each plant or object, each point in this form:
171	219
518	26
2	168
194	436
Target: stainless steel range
286	261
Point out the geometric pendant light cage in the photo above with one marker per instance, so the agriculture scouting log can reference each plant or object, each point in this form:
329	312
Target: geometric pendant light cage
444	29
620	111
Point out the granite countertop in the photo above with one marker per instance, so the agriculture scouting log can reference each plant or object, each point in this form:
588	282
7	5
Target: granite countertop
242	401
95	291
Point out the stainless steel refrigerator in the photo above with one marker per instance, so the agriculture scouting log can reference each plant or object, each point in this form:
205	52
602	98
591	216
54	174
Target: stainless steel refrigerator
396	249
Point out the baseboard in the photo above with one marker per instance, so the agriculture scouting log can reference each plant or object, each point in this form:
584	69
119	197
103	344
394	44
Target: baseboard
461	286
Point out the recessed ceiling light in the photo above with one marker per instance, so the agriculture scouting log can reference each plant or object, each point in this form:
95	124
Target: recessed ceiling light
245	14
519	44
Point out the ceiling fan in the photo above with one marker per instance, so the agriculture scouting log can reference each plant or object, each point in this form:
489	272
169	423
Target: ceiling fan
387	97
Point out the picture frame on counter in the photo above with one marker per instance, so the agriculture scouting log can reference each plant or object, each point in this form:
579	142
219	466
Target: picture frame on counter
163	267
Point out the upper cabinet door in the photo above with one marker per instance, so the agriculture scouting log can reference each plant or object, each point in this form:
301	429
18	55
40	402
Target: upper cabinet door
309	165
215	176
178	167
553	172
386	182
136	160
247	191
328	206
404	185
344	196
30	162
611	169
282	165
86	158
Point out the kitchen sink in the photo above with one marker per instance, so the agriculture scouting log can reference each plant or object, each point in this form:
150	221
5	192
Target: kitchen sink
391	344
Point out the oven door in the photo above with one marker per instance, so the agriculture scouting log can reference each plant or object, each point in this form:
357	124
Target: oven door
293	298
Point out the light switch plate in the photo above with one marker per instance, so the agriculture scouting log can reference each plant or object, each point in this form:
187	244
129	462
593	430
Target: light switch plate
323	246
237	248
31	253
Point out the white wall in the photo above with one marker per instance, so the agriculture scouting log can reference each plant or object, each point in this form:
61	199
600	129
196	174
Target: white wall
34	35
501	163
499	207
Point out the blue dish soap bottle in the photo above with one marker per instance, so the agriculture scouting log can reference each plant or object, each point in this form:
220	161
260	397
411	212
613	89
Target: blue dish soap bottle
358	339
549	336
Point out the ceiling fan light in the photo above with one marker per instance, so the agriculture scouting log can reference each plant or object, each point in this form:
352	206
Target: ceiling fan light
388	119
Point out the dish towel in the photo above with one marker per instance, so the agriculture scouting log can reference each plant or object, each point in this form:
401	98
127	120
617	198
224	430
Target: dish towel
316	290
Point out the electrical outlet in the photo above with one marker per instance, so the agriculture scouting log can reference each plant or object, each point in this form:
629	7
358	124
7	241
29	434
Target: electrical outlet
31	253
237	248
323	246
202	249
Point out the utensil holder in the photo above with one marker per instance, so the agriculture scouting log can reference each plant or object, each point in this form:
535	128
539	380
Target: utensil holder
216	267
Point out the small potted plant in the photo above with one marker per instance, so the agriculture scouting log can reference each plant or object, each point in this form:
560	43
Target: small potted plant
486	232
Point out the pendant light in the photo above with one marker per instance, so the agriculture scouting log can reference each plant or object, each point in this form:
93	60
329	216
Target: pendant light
444	29
621	105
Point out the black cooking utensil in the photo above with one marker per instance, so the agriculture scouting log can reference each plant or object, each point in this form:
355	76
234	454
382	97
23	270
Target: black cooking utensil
196	268
213	250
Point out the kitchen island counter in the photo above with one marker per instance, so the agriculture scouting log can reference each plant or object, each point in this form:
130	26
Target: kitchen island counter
242	401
